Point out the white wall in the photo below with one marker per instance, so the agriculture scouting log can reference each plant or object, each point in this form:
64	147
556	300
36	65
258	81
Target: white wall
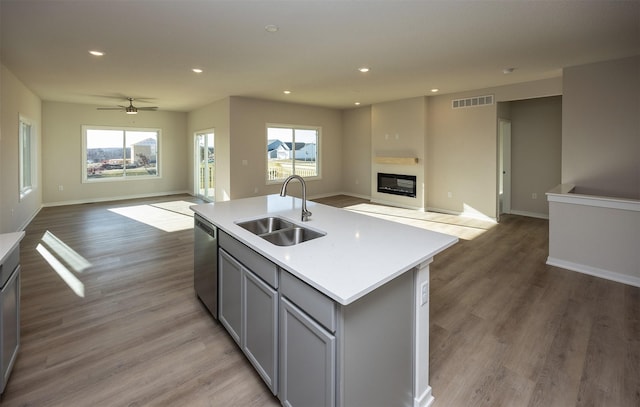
15	100
601	128
62	158
462	148
398	129
248	140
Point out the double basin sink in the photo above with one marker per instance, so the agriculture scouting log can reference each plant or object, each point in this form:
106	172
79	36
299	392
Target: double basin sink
279	231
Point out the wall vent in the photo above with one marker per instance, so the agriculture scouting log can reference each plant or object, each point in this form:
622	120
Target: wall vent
472	102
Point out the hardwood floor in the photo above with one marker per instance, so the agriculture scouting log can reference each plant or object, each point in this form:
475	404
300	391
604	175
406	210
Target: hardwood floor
506	329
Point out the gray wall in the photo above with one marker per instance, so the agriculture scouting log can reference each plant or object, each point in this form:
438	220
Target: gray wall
536	142
601	128
356	151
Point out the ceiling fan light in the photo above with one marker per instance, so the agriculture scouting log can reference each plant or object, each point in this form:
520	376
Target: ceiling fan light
131	110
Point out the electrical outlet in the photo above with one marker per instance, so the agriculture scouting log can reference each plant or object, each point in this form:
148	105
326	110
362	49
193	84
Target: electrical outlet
424	293
449	195
60	188
534	196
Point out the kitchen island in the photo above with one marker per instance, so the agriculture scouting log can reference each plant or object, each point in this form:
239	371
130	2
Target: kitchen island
343	319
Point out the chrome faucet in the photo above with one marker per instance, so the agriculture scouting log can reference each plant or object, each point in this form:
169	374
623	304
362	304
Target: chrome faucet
283	192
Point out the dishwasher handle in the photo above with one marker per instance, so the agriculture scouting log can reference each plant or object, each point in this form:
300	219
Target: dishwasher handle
206	227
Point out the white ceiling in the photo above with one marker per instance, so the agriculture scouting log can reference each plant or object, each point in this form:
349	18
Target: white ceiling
411	46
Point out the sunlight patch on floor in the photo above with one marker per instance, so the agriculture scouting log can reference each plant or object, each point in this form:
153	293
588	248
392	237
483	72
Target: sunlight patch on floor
67	276
167	216
459	226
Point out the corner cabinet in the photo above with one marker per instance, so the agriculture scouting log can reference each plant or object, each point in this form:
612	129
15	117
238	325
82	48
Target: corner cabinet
248	305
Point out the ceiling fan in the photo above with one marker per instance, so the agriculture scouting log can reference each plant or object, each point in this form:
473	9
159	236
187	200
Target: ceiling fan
131	109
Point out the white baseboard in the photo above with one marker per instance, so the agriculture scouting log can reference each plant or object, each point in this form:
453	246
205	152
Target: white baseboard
595	271
530	214
113	198
463	214
424	400
396	204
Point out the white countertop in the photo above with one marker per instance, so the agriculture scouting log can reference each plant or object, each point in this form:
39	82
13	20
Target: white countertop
358	254
7	242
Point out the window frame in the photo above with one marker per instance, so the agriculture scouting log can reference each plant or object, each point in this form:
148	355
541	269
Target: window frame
26	187
294	127
124	177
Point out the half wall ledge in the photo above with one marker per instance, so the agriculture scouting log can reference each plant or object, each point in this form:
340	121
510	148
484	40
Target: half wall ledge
594	235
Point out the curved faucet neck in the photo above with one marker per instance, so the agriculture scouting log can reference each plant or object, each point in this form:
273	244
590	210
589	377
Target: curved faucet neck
283	192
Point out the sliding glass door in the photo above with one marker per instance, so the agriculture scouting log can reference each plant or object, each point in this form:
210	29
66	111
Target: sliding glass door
205	165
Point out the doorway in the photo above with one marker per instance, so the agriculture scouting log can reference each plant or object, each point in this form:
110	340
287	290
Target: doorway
504	167
205	165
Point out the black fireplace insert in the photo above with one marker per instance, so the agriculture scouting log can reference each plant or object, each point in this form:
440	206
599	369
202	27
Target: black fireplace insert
397	184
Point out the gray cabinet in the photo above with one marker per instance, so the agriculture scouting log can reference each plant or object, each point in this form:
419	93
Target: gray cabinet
230	295
248	305
307	360
9	313
259	333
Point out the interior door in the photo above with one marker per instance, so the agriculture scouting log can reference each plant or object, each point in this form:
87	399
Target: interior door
204	160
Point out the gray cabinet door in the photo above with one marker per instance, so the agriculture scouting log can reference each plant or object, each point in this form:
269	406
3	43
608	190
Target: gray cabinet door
307	360
259	334
230	294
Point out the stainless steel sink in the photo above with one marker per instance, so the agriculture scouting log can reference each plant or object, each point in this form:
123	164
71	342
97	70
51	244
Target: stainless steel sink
265	225
289	237
279	231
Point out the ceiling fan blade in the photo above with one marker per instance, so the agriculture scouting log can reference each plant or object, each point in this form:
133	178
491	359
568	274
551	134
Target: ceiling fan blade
109	108
147	108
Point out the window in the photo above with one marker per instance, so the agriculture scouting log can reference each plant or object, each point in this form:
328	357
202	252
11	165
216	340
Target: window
27	157
116	154
292	150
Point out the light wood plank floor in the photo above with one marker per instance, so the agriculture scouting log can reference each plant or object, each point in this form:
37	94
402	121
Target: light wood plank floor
506	330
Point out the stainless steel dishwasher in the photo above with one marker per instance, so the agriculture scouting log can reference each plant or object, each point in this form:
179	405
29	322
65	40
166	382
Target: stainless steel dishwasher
205	263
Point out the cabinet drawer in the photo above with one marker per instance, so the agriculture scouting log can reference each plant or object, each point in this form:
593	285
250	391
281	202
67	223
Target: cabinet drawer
260	266
313	302
10	263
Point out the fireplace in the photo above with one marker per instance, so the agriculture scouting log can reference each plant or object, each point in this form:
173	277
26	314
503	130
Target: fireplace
397	184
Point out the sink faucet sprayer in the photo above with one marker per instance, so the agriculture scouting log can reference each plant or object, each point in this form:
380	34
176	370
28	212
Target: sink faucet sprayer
283	192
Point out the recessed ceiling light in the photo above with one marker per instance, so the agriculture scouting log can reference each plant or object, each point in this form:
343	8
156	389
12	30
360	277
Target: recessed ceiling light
508	70
364	69
96	53
434	90
197	70
286	92
271	28
357	103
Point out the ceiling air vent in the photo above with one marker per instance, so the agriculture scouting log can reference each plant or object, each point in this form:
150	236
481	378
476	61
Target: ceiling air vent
472	102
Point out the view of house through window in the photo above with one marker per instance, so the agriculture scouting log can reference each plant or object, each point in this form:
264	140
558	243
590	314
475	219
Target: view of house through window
113	154
27	160
292	150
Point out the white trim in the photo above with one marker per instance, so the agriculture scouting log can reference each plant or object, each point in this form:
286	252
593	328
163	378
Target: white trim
562	193
124	129
594	271
462	214
114	198
530	214
397	204
425	400
294	127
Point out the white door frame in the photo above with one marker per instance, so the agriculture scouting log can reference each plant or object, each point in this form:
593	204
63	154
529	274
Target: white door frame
196	166
504	166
